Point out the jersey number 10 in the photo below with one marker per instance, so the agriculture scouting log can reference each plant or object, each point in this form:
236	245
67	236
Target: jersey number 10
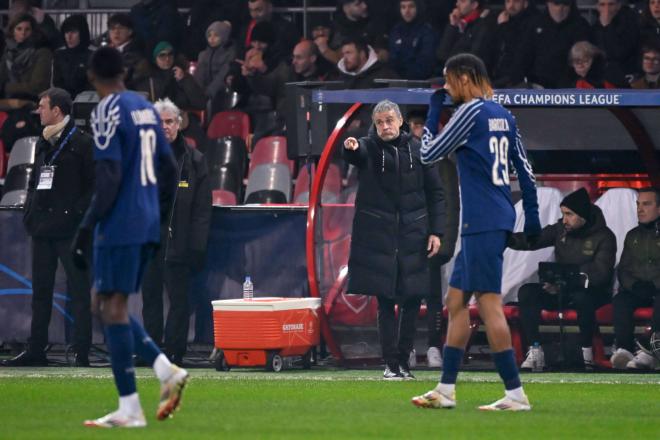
499	148
148	148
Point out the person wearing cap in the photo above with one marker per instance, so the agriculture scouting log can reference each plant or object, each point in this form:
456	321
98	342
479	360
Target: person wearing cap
546	43
582	238
214	62
166	77
70	60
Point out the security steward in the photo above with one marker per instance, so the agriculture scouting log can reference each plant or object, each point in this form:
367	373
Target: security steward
184	233
59	193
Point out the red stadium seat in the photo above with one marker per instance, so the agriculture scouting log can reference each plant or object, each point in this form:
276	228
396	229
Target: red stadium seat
222	197
229	123
270	149
3	159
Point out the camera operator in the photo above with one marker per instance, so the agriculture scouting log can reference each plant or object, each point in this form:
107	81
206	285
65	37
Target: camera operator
582	238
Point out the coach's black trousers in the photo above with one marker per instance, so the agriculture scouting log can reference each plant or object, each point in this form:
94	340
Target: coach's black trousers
625	302
397	336
532	299
175	278
45	255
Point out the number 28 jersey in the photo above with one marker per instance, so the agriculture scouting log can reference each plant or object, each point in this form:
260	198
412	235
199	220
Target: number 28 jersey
486	140
127	129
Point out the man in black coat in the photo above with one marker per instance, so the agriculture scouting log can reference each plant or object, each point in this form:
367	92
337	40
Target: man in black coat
59	192
184	234
70	60
616	32
582	238
399	219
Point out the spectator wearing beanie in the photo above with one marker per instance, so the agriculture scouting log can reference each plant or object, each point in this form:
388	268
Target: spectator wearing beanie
70	60
166	76
581	238
214	61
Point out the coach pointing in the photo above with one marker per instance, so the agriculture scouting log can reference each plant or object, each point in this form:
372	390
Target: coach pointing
399	216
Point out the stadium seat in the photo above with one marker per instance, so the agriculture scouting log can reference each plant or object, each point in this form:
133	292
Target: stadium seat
269	183
330	193
228	151
191	141
22	152
222	197
225	178
619	206
229	123
303	183
270	149
16	184
520	267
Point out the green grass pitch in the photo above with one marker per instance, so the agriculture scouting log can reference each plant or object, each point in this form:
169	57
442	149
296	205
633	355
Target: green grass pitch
51	403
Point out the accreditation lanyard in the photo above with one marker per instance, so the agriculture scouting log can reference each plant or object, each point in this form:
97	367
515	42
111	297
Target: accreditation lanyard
47	172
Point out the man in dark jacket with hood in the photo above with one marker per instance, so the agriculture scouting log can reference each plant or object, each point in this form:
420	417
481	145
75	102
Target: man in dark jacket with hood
59	193
70	60
399	219
184	233
359	66
581	238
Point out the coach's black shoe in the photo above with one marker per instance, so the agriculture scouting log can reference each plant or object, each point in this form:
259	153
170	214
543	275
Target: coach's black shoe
392	373
82	359
405	373
27	359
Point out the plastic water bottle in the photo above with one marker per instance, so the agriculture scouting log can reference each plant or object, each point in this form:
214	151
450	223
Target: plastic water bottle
536	358
248	289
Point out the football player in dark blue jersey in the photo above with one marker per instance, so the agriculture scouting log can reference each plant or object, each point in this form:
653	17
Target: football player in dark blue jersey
486	140
136	174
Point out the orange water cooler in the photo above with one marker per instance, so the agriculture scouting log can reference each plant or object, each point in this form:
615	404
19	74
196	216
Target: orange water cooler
262	332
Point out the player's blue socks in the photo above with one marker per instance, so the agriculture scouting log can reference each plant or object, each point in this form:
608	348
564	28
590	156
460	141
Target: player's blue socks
505	362
119	339
451	362
145	347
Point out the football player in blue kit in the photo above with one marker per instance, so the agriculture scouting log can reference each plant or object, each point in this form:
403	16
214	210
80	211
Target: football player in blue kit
486	140
135	175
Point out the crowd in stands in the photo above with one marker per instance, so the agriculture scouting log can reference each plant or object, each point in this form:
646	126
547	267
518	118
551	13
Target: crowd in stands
243	46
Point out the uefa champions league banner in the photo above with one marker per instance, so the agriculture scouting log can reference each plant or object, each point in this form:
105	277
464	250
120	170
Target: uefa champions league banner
267	244
509	97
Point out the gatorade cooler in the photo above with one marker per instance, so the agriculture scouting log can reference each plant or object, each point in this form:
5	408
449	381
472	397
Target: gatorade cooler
263	331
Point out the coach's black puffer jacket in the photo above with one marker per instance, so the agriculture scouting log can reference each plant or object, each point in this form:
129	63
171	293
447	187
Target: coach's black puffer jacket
399	203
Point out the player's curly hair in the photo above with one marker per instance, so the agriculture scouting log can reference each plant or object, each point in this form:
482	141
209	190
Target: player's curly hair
467	77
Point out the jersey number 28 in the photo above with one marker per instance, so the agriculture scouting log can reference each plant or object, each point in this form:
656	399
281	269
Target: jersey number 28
499	148
148	148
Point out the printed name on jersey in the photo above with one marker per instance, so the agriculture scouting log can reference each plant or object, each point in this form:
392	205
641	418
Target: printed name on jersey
498	124
105	119
144	117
